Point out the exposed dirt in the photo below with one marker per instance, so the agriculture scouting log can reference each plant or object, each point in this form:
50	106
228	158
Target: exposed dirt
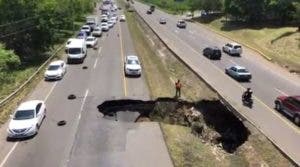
208	120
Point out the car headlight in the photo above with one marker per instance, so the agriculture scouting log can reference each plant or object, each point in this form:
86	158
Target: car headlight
31	128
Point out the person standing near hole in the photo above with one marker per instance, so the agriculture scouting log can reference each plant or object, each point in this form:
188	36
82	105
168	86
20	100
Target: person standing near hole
178	86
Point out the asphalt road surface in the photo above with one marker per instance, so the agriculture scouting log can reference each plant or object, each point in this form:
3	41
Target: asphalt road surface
89	138
268	82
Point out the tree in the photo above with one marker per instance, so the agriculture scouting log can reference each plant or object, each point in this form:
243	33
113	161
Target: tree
194	5
211	5
297	14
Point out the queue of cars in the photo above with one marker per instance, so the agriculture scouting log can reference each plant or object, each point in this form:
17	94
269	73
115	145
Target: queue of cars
289	105
28	117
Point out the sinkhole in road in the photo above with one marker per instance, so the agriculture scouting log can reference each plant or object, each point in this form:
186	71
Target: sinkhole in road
211	121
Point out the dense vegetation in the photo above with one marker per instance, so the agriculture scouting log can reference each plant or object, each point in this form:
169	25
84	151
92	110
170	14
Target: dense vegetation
250	11
29	28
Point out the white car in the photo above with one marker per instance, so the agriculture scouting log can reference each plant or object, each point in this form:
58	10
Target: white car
68	43
132	66
104	26
56	70
122	18
110	24
87	29
232	48
104	18
97	32
91	41
113	19
27	119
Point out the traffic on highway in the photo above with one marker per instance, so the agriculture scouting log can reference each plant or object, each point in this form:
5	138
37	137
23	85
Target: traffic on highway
58	123
262	82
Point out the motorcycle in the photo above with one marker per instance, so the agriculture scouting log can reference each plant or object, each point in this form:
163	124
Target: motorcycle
247	101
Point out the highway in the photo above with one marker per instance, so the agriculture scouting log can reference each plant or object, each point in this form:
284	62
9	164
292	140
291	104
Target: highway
89	138
269	80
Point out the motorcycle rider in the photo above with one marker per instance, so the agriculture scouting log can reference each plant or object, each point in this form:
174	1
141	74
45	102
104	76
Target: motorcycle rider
247	95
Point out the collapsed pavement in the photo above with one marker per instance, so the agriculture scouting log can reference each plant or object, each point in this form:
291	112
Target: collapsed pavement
211	121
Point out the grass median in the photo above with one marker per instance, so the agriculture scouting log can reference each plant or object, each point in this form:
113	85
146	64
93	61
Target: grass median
161	69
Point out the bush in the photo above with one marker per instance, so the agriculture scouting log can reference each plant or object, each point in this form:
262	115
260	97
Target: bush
8	60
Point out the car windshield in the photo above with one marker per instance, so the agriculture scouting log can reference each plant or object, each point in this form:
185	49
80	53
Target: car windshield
53	67
90	23
132	62
85	28
90	39
97	29
242	70
74	50
237	47
24	114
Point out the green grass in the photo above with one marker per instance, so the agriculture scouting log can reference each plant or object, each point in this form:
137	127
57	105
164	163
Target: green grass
169	6
282	44
188	150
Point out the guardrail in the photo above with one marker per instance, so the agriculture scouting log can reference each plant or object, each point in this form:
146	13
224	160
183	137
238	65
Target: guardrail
6	99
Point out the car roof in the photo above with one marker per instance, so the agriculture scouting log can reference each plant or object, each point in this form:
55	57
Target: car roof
29	105
297	97
239	67
234	43
57	62
85	26
132	57
214	47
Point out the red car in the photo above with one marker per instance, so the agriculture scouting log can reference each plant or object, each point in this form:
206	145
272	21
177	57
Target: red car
289	105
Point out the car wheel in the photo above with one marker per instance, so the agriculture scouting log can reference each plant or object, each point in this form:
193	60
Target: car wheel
278	106
297	120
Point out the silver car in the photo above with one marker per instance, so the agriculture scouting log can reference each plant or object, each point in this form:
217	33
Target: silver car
239	73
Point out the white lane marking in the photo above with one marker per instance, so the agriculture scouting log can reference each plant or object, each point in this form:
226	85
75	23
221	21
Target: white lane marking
16	144
233	62
83	101
9	153
51	90
281	92
99	51
74	132
95	64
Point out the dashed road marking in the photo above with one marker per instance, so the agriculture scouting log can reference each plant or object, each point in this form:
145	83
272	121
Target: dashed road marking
95	64
99	51
83	101
281	92
233	62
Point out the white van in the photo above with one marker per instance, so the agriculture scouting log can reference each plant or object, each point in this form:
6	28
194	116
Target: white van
77	50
